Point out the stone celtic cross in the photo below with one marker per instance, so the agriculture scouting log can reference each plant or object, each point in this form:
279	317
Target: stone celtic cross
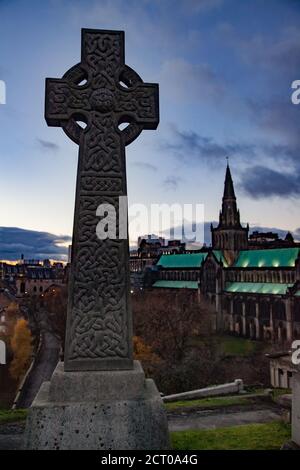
103	92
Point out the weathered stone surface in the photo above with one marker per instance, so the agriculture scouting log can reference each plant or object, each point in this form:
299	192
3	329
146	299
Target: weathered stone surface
133	420
96	386
296	408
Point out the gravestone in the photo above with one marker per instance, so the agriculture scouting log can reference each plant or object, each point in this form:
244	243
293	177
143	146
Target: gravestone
99	398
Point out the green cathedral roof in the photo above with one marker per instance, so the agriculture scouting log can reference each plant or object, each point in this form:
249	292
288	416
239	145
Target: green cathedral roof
272	258
220	257
188	260
176	284
257	287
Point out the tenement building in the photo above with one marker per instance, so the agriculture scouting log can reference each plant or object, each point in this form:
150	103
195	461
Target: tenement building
31	277
252	283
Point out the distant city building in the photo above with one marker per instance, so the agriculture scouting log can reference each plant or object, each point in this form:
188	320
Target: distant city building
281	369
150	242
263	237
6	299
254	283
32	277
270	240
142	261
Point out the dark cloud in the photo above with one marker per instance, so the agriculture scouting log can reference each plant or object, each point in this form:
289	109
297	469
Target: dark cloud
187	145
47	145
260	181
145	166
279	121
275	61
40	245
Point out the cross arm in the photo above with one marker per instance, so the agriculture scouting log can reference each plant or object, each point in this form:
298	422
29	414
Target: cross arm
140	104
63	101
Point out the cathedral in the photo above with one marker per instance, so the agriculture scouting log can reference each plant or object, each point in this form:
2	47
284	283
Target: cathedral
253	283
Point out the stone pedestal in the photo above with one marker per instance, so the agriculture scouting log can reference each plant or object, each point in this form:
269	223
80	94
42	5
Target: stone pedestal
296	408
101	410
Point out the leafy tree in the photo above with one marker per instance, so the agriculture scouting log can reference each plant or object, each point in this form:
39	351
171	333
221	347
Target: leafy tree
144	353
12	314
21	345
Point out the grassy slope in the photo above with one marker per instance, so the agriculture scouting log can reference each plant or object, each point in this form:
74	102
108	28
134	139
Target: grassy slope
214	402
12	416
268	436
228	345
235	346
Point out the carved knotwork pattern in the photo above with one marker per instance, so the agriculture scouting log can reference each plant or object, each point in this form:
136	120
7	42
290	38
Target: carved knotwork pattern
98	313
102	52
101	147
99	326
66	100
98	318
95	183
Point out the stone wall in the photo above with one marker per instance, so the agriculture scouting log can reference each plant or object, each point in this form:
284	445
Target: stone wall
216	390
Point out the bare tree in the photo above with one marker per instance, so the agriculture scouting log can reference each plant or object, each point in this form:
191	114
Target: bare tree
168	322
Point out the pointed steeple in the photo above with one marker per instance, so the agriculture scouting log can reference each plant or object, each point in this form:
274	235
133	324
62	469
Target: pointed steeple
228	185
229	216
229	236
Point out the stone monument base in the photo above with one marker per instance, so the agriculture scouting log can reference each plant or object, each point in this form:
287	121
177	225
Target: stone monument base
101	410
296	408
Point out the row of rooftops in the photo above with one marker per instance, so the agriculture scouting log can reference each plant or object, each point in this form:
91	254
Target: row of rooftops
282	258
255	259
32	270
267	288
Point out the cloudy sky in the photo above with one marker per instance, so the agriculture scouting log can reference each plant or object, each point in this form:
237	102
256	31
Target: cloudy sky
225	69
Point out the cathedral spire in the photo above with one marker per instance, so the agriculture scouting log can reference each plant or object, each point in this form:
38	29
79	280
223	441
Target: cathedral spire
230	216
228	185
229	236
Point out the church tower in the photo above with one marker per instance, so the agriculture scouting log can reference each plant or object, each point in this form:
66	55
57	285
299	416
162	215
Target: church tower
229	236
